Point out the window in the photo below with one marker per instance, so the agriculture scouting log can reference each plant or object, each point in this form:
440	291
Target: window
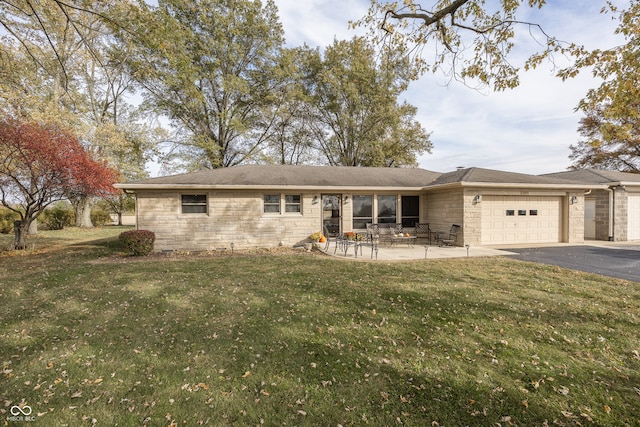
522	212
292	203
271	203
387	209
410	210
362	211
194	203
533	212
511	212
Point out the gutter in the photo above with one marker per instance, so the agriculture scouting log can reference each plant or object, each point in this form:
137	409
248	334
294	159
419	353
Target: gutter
357	188
611	212
558	186
316	188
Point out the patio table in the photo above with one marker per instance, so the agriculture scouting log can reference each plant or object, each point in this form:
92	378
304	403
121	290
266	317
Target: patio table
409	240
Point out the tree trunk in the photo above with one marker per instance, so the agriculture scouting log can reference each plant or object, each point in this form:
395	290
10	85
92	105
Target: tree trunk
82	209
20	229
119	218
33	228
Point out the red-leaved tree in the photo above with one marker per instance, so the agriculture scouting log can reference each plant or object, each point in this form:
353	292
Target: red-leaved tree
41	164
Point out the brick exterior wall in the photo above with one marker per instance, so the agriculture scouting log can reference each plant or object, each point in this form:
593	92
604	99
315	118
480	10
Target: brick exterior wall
620	219
574	220
233	217
443	209
602	213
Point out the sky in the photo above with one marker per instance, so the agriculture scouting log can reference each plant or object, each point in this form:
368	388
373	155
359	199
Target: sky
528	129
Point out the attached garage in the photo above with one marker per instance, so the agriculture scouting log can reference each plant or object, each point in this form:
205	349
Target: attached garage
633	217
521	219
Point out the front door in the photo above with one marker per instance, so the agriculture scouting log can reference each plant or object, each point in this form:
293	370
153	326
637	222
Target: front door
331	213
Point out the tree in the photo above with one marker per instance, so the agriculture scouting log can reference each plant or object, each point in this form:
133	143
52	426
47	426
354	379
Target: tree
292	140
64	68
611	126
208	65
470	39
39	41
43	164
359	120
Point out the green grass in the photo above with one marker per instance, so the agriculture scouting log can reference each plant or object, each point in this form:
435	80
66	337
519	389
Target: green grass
88	337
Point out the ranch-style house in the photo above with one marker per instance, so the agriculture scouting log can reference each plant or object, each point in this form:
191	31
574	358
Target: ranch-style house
270	205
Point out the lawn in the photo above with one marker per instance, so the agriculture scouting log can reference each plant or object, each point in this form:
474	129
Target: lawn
89	337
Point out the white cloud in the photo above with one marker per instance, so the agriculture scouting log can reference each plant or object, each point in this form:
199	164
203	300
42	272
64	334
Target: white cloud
528	129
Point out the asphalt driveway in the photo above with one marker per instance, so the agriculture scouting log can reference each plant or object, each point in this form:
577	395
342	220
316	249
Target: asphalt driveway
618	262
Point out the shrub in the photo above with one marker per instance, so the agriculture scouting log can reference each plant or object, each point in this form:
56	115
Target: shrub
57	217
138	242
100	217
7	217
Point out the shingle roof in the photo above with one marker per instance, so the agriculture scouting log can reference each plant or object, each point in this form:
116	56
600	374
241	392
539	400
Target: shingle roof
327	177
490	176
596	176
301	176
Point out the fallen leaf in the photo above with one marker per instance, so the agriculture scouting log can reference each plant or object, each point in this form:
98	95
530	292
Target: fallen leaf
587	417
607	408
98	381
246	374
76	395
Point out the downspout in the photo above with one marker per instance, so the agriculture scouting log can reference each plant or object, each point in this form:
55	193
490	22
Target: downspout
611	212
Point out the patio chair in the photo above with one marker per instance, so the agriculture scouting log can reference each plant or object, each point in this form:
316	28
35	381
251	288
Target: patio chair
337	239
373	238
423	231
373	231
450	240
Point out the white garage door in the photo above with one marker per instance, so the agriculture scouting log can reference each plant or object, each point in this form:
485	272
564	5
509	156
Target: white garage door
521	219
633	218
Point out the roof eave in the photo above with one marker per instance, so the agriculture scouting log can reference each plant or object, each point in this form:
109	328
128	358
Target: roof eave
623	184
323	188
514	185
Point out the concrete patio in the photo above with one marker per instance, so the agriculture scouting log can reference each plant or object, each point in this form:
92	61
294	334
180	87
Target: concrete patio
415	252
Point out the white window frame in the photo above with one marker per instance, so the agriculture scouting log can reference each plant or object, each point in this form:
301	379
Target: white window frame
297	204
282	204
265	204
